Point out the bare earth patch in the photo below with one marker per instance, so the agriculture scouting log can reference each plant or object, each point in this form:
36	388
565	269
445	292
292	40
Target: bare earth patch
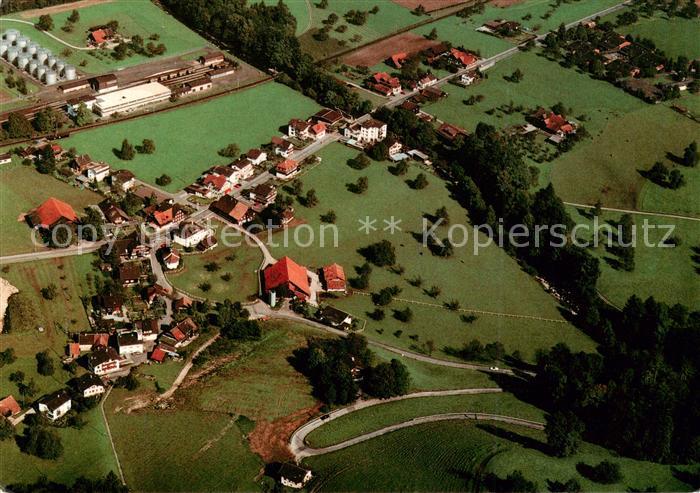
56	9
6	290
505	3
378	52
270	440
429	5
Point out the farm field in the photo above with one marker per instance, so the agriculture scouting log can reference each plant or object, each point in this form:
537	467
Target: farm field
187	139
242	269
675	36
390	18
426	376
140	17
445	456
503	287
668	274
17	200
90	441
377	417
607	168
201	435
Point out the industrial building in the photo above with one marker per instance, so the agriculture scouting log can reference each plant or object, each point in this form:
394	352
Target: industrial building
131	98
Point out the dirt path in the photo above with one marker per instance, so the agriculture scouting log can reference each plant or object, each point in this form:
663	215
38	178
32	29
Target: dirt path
109	434
79	48
56	9
185	370
639	213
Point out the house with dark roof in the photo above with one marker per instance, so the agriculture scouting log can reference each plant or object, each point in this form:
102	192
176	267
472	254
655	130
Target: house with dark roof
183	332
335	317
109	305
450	132
52	212
88	340
287	279
55	405
147	329
129	343
232	210
282	147
331	117
130	273
263	194
298	128
89	385
256	156
293	476
104	360
113	214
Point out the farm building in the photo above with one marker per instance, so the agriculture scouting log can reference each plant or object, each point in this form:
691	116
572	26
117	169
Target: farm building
51	213
287	279
232	210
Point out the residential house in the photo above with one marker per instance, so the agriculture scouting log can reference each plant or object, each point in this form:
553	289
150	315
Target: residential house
89	385
411	106
426	81
294	476
207	244
243	168
232	210
469	78
553	123
256	156
263	194
318	131
73	350
184	331
104	360
9	407
182	303
334	277
112	213
335	318
190	233
127	248
81	163
97	172
110	305
148	329
330	117
287	169
100	35
129	343
130	273
51	213
89	340
55	405
282	147
216	185
298	128
462	57
369	131
287	279
450	132
383	82
123	179
394	147
5	158
167	214
171	259
158	354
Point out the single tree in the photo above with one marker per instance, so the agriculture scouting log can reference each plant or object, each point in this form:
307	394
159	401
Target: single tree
127	152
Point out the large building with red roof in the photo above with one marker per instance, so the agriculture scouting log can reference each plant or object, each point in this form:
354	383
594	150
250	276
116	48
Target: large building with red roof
51	213
287	279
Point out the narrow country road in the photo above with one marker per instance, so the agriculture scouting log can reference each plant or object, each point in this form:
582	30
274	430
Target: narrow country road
639	213
80	48
109	434
186	369
87	247
299	448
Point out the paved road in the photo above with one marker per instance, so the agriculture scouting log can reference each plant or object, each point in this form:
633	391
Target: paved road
639	213
299	448
80	48
259	309
86	247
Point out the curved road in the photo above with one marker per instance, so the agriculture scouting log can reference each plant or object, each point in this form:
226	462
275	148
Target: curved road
80	48
299	448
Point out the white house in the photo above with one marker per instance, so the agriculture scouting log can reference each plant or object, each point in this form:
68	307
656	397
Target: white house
427	81
468	78
171	259
369	131
5	158
129	343
55	405
294	476
189	234
243	168
103	360
97	172
282	147
90	385
298	128
256	156
318	131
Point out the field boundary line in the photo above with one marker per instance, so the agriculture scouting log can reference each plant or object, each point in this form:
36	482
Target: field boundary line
473	310
637	212
109	435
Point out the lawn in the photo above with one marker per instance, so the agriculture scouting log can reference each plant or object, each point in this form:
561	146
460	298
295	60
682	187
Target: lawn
382	415
444	457
668	274
242	268
426	376
489	281
87	452
162	374
675	36
187	139
34	188
140	17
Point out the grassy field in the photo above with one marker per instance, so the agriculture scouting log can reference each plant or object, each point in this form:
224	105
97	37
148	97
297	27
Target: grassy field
444	457
377	417
668	274
90	442
243	270
140	17
675	36
502	286
426	376
17	200
390	18
187	139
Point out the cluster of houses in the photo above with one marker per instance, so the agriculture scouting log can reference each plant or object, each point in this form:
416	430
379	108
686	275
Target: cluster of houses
221	180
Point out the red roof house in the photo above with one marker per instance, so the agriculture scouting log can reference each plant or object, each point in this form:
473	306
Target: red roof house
334	277
9	407
158	355
397	59
287	168
73	349
464	58
287	279
51	213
